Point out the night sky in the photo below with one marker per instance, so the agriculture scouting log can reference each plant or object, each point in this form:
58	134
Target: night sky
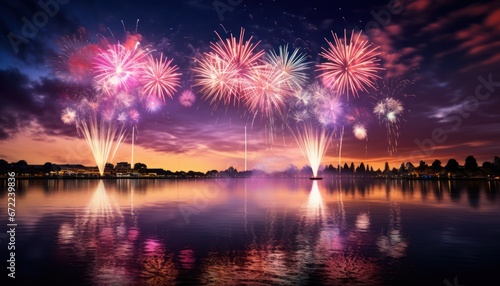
448	49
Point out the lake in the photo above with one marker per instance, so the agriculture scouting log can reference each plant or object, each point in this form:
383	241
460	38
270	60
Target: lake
254	232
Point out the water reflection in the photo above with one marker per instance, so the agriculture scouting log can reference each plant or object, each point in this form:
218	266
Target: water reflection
101	236
316	209
157	266
392	243
258	232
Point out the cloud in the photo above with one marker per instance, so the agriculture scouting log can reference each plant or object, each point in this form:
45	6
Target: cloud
26	104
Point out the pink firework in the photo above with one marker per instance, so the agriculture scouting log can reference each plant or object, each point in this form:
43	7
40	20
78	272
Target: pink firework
160	78
187	98
118	68
327	104
351	66
267	91
153	104
217	79
241	54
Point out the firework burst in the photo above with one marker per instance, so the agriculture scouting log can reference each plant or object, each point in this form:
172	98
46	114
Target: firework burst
110	78
118	68
187	98
267	91
217	79
159	77
74	61
359	118
293	66
238	52
351	66
388	111
68	115
359	131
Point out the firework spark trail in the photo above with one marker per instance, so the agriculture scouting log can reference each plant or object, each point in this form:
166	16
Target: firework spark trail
112	79
313	143
359	118
351	66
388	111
102	137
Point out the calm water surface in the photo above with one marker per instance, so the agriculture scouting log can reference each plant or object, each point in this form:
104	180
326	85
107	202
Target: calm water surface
255	232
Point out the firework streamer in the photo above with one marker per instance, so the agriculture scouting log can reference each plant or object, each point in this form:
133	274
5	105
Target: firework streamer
351	66
111	80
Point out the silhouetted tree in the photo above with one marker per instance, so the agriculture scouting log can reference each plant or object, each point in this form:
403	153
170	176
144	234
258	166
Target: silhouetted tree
422	167
139	166
212	173
470	163
386	167
496	165
351	168
410	167
436	165
47	168
394	171
345	169
487	168
361	168
402	169
21	163
452	166
4	165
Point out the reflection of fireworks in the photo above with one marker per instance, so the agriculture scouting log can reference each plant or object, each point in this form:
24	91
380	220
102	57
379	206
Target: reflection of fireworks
99	235
187	98
350	67
348	268
363	222
316	208
313	143
393	244
158	270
